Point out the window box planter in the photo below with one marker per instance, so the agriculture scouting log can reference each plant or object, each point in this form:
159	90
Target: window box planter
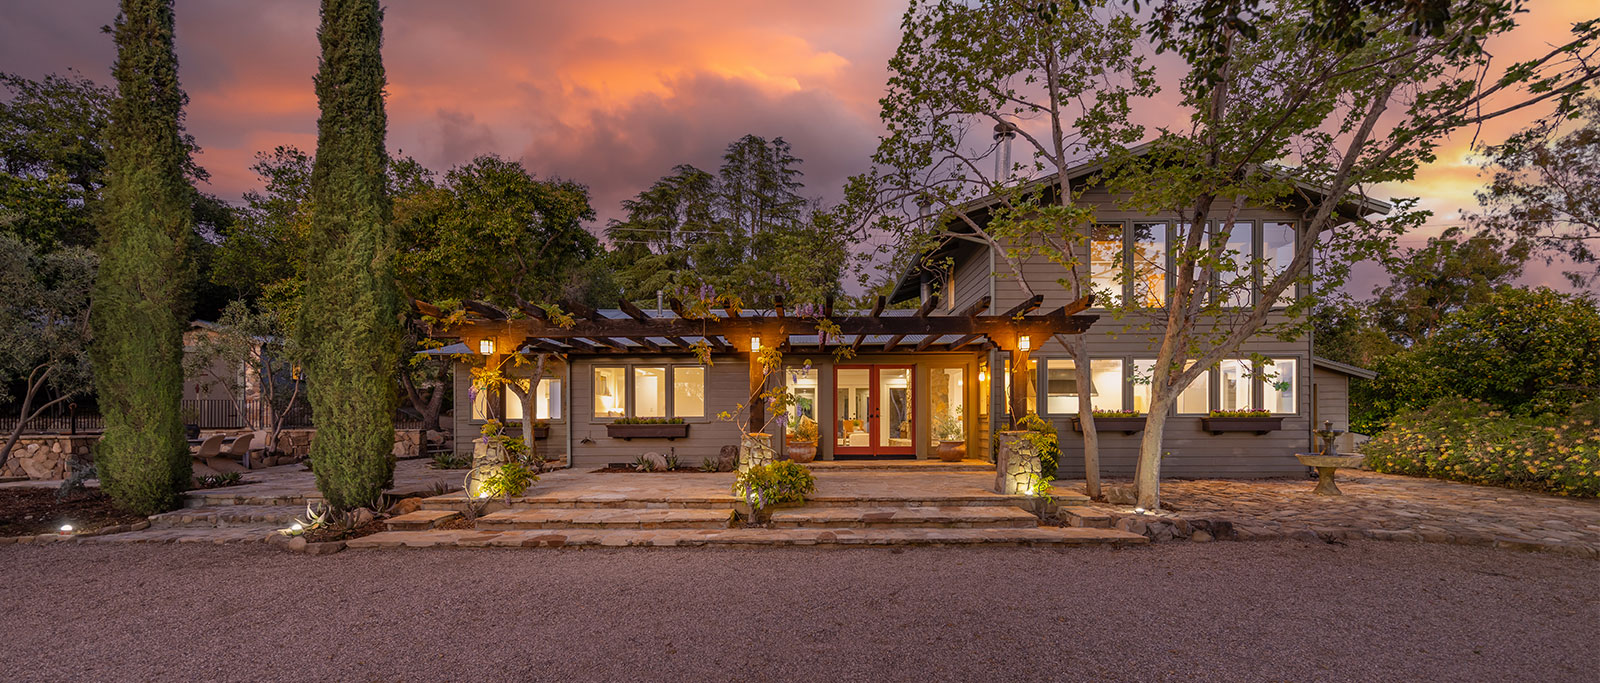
1126	425
647	431
1259	425
541	432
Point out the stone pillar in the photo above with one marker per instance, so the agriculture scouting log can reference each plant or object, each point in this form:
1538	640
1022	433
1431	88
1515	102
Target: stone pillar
487	454
755	450
1016	465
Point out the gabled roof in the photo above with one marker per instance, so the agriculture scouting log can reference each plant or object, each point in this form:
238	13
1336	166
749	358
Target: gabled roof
909	284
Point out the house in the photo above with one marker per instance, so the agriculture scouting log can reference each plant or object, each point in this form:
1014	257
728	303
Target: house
939	373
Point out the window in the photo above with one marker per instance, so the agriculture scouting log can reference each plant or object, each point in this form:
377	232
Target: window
546	400
1032	396
649	392
1061	390
480	403
1279	395
610	392
1234	383
984	397
1277	247
688	391
1143	371
1238	286
1105	263
1196	398
947	400
802	384
1150	264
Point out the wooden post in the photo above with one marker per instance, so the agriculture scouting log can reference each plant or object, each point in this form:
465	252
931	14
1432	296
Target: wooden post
1019	384
758	382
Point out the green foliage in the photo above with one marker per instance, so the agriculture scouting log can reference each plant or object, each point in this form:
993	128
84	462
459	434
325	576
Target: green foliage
784	481
648	421
451	461
671	460
1447	275
221	480
710	465
1239	413
141	301
52	157
509	480
44	327
644	464
1471	441
249	353
1527	352
804	430
1117	413
350	316
1041	434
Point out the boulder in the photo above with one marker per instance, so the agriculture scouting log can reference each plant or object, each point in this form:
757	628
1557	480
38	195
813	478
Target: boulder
362	516
728	459
405	506
1200	537
1121	494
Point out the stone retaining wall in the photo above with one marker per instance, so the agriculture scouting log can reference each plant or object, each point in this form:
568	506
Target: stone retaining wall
45	456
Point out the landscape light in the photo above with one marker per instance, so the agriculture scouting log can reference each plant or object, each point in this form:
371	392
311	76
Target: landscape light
486	347
66	528
297	527
1138	511
1024	343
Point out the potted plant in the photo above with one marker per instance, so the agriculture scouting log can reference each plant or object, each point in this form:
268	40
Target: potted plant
1125	421
951	433
668	428
1258	421
802	440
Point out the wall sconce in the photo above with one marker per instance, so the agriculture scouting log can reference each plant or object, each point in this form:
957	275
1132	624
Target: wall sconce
486	347
1024	343
755	345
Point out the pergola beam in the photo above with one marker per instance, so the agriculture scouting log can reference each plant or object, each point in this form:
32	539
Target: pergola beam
1026	307
633	311
977	308
928	305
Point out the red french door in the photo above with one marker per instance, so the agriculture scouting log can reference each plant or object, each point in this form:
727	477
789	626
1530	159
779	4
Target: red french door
874	410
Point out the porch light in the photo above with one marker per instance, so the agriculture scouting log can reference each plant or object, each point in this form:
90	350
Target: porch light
755	345
1024	343
486	347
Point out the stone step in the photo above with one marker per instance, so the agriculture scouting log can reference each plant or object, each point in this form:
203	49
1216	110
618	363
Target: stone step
824	466
1085	517
957	517
278	516
420	519
915	500
559	538
598	501
623	518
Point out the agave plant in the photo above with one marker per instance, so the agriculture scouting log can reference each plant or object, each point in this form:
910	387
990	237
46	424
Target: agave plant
643	464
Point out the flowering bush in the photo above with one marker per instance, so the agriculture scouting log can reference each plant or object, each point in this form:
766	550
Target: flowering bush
648	421
1239	413
1471	441
1117	413
785	481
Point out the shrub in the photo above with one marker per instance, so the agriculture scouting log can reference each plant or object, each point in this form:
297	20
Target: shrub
648	421
804	430
1239	413
710	465
509	479
1471	441
1042	435
643	464
1117	413
785	481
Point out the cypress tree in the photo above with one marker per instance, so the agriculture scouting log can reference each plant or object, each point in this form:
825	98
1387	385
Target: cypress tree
141	304
350	318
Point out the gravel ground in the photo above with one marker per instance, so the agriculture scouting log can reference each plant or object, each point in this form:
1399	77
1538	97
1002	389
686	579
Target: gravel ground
1220	611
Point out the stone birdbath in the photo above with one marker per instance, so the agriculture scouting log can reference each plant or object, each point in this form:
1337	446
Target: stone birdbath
1328	461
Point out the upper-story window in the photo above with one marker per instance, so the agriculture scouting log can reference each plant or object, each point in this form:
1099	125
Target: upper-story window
1149	252
1277	251
1238	284
1105	263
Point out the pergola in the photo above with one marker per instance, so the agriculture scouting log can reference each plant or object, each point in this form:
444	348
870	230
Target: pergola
632	330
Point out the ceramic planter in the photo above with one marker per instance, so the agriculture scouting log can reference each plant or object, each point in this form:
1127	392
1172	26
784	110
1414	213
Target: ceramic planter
802	451
952	451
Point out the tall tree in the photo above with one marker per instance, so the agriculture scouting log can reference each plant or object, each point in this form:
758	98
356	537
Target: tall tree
141	303
52	157
1354	116
1545	188
350	316
1030	72
44	328
1445	276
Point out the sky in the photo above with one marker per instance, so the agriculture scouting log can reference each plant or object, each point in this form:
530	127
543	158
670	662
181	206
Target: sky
610	93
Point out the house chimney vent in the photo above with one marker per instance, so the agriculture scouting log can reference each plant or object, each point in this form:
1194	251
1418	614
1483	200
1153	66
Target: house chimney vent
1004	133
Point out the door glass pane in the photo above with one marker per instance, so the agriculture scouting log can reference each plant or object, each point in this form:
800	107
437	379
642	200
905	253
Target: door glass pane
1233	376
610	392
688	392
1150	264
947	400
894	408
1105	264
850	419
1277	246
650	388
1282	378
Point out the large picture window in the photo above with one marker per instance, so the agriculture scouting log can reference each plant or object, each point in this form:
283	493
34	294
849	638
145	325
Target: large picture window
1061	390
1143	371
650	392
688	392
1280	391
1105	263
610	392
1149	245
656	391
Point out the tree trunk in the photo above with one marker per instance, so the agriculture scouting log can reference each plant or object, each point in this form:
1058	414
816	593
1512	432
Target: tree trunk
526	396
429	407
1147	476
1079	347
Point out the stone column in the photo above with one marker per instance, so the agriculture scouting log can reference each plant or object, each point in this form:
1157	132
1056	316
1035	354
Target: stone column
1016	465
755	450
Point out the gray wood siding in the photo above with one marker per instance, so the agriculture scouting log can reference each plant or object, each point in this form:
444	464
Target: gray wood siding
1333	398
970	281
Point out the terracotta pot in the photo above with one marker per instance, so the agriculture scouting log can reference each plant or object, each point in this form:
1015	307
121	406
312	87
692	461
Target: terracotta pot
952	451
802	451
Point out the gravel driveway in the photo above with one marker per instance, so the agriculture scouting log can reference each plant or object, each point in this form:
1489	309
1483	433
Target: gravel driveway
1220	611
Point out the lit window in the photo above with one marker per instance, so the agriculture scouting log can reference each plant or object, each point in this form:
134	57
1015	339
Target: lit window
947	402
802	384
1239	285
1143	372
1061	391
480	403
1150	264
1282	380
650	392
546	401
610	392
1277	246
1196	398
1032	396
1234	381
688	392
1105	264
